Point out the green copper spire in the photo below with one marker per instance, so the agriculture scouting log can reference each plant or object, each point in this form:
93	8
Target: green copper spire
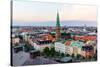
58	20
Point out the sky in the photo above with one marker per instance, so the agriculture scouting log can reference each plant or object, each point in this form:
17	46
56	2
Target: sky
44	14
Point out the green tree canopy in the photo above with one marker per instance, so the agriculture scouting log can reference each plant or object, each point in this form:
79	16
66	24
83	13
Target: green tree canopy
46	51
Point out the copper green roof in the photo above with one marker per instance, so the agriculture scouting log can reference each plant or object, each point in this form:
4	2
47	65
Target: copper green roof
58	20
77	44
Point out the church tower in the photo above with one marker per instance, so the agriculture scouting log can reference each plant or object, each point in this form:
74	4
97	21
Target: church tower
58	34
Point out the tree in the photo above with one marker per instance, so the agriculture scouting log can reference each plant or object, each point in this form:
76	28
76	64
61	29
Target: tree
67	55
57	54
72	55
28	47
78	56
95	56
62	54
46	51
16	44
52	52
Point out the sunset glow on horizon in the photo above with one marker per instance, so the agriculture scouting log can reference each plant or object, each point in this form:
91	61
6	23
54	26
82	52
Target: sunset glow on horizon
26	12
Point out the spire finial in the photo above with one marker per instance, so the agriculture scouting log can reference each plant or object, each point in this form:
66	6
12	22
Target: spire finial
57	9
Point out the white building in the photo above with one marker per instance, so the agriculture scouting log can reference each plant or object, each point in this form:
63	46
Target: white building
15	40
72	48
25	36
60	47
40	47
68	50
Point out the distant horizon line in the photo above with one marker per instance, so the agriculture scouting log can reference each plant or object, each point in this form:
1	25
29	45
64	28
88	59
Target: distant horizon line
47	26
53	23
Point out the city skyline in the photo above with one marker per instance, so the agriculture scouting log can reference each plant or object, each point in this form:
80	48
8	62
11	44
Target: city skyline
53	33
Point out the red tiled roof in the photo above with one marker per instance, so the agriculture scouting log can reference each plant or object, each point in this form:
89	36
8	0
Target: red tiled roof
68	43
86	38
